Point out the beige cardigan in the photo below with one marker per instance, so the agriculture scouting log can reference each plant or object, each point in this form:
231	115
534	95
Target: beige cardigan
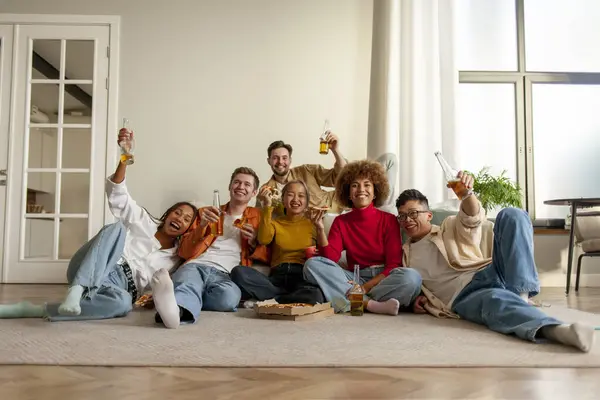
466	243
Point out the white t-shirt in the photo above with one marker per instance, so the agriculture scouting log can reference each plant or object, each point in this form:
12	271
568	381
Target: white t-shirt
443	281
226	251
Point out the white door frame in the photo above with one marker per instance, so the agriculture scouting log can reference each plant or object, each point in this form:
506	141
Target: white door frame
6	59
113	23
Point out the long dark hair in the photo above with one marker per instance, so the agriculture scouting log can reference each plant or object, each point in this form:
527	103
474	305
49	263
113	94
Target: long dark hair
161	221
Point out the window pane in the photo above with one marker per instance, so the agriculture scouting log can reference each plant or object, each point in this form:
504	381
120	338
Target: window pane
76	147
566	155
39	238
486	35
486	128
41	187
79	60
42	148
75	193
73	233
562	35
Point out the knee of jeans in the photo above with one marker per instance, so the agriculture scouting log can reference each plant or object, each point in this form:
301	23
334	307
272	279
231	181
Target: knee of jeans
512	213
226	300
237	273
115	227
409	277
312	265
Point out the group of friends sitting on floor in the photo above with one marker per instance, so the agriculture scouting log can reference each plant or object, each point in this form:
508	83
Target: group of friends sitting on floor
202	259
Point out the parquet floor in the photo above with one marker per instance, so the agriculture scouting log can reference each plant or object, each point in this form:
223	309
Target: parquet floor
49	383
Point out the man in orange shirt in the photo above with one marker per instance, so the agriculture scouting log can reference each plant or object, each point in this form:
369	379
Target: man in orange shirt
203	282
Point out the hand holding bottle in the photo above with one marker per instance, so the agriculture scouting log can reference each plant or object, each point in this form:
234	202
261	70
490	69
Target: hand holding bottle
463	183
209	215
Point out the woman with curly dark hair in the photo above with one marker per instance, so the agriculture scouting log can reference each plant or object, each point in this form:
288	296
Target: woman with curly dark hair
371	239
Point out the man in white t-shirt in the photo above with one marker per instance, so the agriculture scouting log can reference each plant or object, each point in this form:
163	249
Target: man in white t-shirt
203	282
466	275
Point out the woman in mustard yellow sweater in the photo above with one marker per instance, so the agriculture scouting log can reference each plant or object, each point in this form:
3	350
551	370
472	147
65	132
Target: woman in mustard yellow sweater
288	236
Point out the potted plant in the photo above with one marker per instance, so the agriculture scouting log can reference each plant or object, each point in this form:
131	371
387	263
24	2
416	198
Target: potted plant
496	191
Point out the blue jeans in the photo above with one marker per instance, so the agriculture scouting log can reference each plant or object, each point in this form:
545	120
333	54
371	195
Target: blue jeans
402	284
94	266
203	287
492	297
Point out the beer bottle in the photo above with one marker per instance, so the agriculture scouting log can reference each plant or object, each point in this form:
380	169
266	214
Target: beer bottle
323	144
356	295
451	176
127	145
216	228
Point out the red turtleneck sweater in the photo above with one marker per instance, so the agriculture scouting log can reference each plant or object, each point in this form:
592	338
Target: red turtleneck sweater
369	236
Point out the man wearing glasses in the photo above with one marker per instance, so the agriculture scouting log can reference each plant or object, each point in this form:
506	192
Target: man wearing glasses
483	277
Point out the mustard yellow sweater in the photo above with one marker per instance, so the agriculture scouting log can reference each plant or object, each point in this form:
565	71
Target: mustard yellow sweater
288	236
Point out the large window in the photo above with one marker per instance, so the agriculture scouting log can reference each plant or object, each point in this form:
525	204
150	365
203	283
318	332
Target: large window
529	95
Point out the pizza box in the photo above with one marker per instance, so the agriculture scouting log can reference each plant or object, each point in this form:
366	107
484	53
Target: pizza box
271	307
305	317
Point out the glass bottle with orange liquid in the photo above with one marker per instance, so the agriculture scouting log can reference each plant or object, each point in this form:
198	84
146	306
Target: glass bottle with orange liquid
451	175
216	228
356	295
323	144
127	145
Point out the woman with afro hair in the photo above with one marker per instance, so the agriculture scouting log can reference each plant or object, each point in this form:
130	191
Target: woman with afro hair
371	239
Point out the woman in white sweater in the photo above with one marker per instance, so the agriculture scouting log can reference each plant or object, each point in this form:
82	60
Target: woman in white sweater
123	260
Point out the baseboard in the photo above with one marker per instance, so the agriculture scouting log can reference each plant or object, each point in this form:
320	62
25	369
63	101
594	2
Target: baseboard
560	280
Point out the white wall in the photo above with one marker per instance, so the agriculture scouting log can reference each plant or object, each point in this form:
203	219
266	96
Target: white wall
209	84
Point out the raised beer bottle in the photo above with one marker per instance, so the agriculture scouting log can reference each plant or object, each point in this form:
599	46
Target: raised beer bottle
356	295
216	228
451	175
323	144
127	145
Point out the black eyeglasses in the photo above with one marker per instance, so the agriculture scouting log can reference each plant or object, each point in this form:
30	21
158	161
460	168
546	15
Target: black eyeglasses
412	214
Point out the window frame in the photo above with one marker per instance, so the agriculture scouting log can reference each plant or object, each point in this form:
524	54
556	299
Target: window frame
523	81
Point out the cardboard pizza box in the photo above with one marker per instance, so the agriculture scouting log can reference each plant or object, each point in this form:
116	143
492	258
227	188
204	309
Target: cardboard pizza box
271	307
305	317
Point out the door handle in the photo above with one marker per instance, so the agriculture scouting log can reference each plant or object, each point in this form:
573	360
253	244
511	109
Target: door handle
3	172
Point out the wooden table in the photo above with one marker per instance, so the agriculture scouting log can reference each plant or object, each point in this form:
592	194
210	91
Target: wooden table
574	203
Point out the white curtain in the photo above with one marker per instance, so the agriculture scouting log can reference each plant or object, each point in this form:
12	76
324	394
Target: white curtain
413	80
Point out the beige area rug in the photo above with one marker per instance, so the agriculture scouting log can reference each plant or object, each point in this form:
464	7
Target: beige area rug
241	340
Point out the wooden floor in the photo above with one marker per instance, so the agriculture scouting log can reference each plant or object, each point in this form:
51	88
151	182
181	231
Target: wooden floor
49	383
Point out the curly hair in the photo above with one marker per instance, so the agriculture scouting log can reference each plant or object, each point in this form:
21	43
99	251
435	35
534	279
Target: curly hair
364	169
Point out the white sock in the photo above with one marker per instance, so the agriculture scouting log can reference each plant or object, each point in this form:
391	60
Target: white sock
164	298
23	309
390	307
576	335
71	303
525	297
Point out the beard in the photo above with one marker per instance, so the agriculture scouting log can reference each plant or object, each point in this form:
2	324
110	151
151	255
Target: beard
284	173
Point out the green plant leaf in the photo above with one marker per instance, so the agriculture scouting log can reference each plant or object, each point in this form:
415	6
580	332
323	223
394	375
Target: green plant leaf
496	191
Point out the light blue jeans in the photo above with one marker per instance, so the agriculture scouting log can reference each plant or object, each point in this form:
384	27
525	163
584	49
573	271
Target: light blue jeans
94	266
203	287
492	297
402	284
